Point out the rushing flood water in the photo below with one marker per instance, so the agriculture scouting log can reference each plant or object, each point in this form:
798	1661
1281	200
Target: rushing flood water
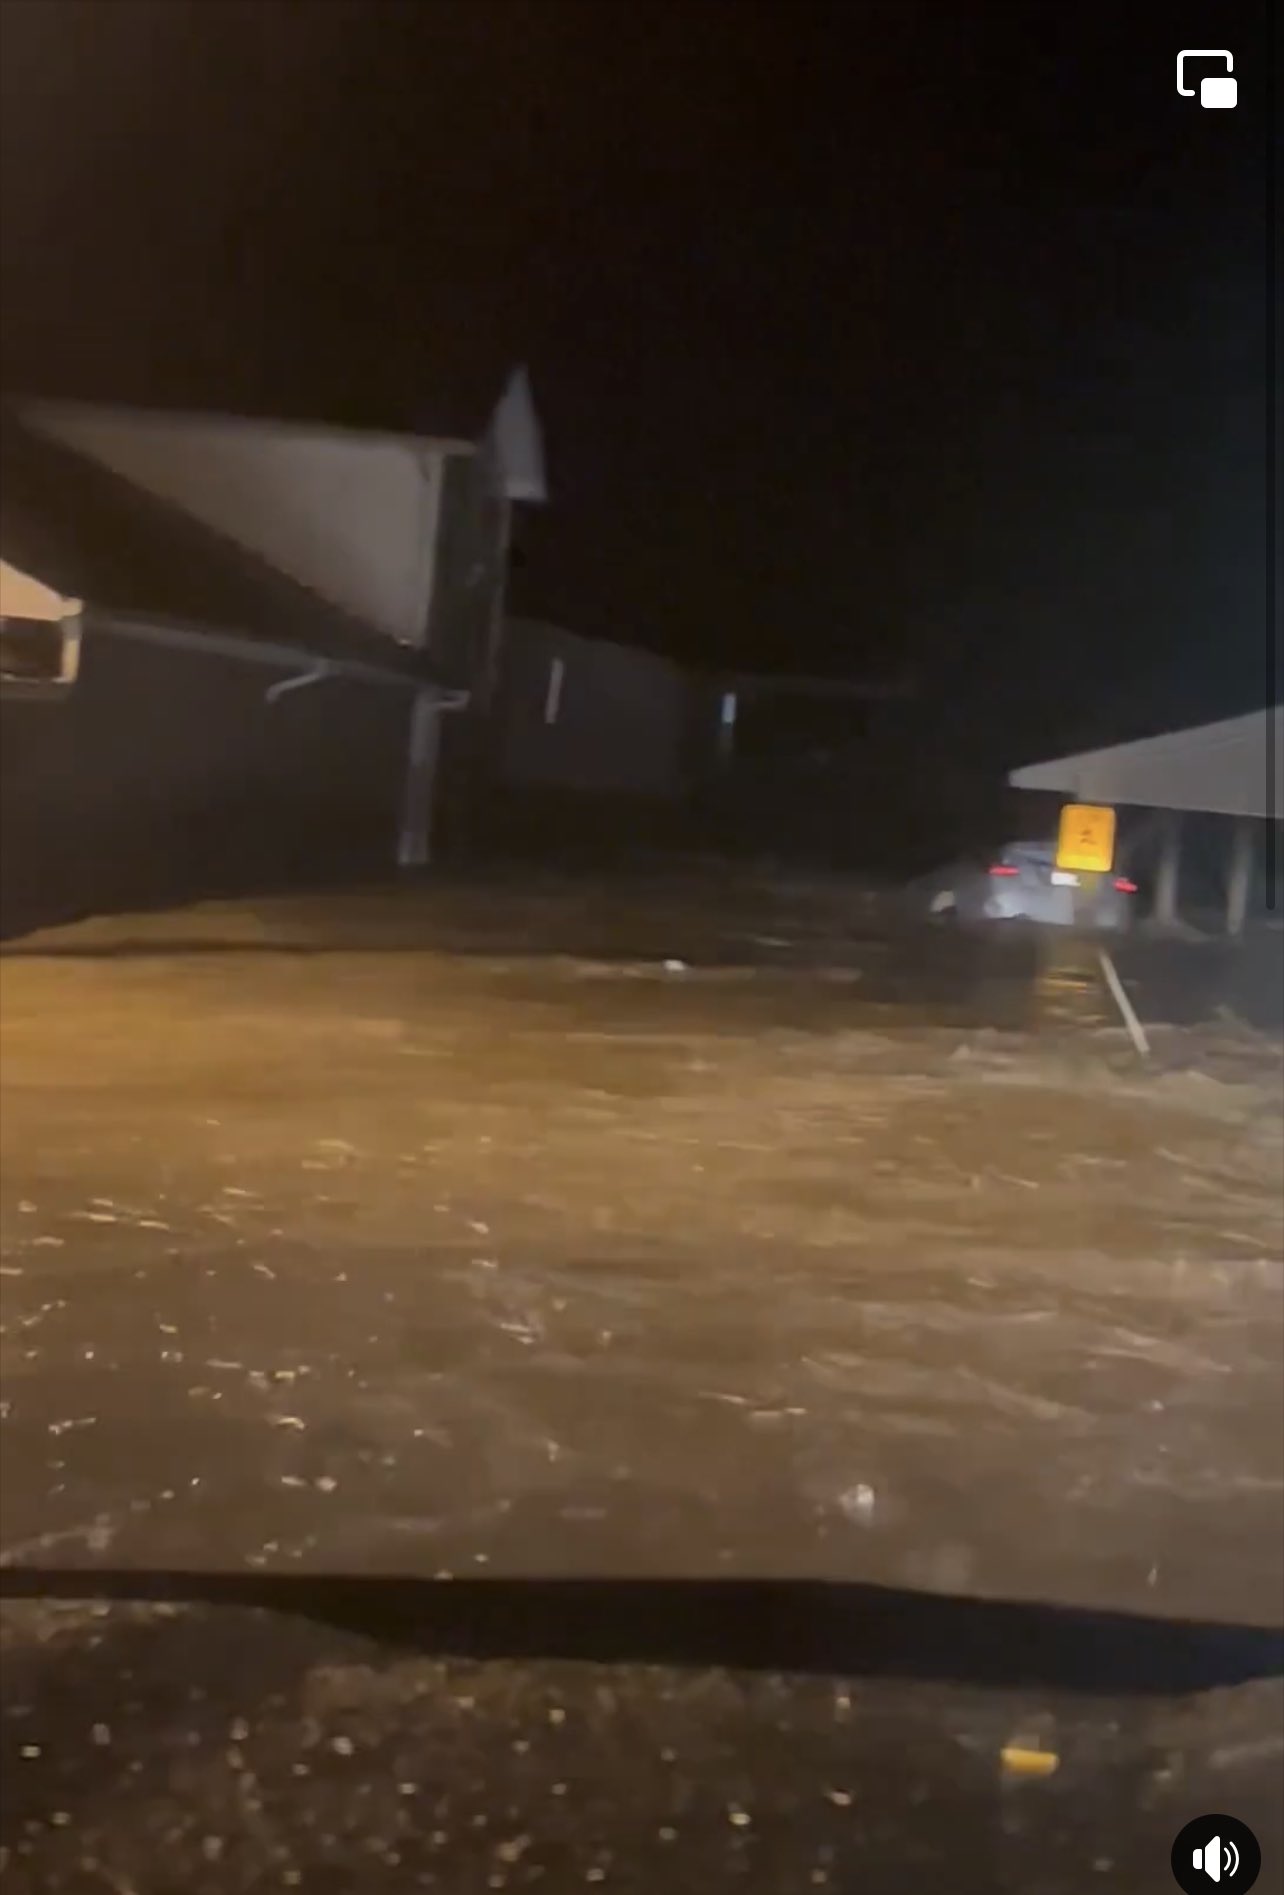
330	1244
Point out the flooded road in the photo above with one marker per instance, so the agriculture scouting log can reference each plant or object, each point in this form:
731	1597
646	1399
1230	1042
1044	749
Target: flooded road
634	1232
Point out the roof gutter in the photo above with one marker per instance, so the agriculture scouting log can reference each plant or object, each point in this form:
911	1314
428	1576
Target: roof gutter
306	667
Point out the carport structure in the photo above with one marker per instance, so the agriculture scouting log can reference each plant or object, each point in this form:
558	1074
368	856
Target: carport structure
1230	768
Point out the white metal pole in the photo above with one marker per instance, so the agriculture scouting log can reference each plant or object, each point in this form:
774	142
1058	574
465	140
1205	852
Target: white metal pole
1169	870
414	848
1239	882
1136	1031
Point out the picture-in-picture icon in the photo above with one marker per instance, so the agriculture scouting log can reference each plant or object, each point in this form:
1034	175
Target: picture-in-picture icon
1217	91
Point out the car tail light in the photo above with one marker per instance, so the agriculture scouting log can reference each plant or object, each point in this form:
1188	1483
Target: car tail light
1003	868
1124	886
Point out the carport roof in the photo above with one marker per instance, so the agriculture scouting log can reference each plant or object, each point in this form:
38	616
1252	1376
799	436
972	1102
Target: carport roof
1230	768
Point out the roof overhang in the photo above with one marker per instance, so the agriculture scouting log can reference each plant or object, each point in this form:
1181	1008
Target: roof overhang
151	571
1230	768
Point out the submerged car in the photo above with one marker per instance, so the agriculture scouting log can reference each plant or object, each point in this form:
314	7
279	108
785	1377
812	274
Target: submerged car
1023	883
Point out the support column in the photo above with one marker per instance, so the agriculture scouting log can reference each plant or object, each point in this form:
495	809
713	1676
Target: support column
484	687
1167	878
1239	880
414	842
728	710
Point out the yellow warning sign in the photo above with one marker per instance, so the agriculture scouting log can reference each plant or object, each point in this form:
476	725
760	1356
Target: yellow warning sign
1086	840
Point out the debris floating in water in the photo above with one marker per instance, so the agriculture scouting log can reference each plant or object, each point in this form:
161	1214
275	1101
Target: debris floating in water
858	1502
1019	1761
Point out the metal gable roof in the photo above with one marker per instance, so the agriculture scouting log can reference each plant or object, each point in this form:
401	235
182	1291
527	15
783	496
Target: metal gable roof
89	534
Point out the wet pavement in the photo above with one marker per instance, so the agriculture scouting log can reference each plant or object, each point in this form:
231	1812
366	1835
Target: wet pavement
713	1231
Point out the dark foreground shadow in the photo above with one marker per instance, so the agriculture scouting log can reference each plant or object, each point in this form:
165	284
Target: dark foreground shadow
849	1630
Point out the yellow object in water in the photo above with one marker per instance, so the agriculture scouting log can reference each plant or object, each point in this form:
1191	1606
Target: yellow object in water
1029	1763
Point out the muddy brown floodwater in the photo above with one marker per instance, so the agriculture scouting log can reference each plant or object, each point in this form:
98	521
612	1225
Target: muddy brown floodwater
543	1233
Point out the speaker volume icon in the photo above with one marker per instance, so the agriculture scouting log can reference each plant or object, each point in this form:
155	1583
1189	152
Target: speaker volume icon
1217	1858
1216	1848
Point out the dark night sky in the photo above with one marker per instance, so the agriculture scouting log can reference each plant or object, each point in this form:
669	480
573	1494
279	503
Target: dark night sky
864	335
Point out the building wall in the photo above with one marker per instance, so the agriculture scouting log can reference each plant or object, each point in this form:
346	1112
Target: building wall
163	776
352	516
470	571
585	715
